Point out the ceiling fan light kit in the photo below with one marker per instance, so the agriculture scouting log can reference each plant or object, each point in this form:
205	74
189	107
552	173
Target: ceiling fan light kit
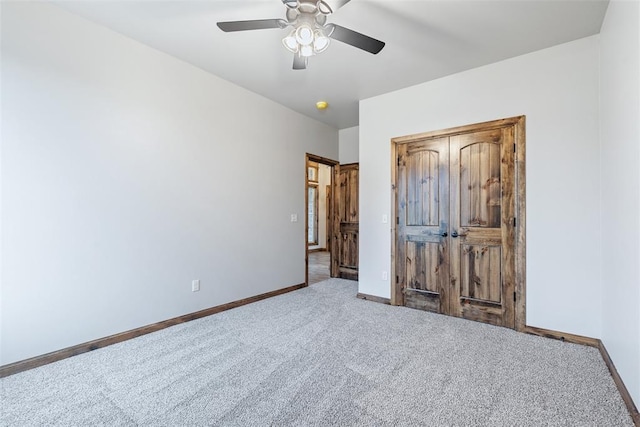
305	41
310	32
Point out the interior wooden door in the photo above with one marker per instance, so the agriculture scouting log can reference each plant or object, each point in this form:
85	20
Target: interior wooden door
347	211
422	229
455	233
482	226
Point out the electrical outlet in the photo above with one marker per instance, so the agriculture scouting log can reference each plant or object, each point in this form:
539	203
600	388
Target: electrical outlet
294	217
384	275
195	285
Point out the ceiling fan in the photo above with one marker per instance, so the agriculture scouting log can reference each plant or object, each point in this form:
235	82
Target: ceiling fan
310	34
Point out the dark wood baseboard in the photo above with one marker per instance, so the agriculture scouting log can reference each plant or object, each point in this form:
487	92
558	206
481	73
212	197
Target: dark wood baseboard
626	396
34	362
597	343
562	336
374	298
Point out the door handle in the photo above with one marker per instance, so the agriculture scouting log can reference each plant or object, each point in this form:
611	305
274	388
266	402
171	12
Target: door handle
454	234
444	234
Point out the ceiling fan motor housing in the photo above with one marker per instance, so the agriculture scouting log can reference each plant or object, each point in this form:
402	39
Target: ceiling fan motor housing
309	36
308	12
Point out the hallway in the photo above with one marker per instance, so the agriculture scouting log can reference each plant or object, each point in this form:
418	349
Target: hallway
319	268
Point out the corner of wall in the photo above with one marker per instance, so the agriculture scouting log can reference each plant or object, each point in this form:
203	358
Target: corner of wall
619	107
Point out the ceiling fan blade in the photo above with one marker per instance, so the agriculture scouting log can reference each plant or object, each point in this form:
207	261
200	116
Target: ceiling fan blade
356	39
258	24
299	62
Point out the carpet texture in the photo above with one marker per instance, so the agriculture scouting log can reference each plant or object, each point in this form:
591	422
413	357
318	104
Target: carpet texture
318	357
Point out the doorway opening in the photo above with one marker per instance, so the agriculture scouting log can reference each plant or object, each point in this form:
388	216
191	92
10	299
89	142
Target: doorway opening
320	209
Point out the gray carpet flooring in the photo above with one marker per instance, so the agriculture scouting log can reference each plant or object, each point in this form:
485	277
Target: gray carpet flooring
320	357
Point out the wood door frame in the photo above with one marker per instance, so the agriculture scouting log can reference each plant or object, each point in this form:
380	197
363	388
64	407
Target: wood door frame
518	124
332	226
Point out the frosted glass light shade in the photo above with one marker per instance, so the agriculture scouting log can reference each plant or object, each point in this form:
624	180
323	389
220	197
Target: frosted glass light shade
320	42
304	35
290	43
306	50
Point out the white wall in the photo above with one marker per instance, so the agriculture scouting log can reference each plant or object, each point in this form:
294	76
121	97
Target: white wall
349	144
126	174
620	146
557	89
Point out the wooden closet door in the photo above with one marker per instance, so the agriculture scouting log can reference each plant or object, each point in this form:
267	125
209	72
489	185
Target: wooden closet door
482	226
422	228
455	233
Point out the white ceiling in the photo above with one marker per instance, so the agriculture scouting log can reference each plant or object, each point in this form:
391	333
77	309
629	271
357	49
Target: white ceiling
425	40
